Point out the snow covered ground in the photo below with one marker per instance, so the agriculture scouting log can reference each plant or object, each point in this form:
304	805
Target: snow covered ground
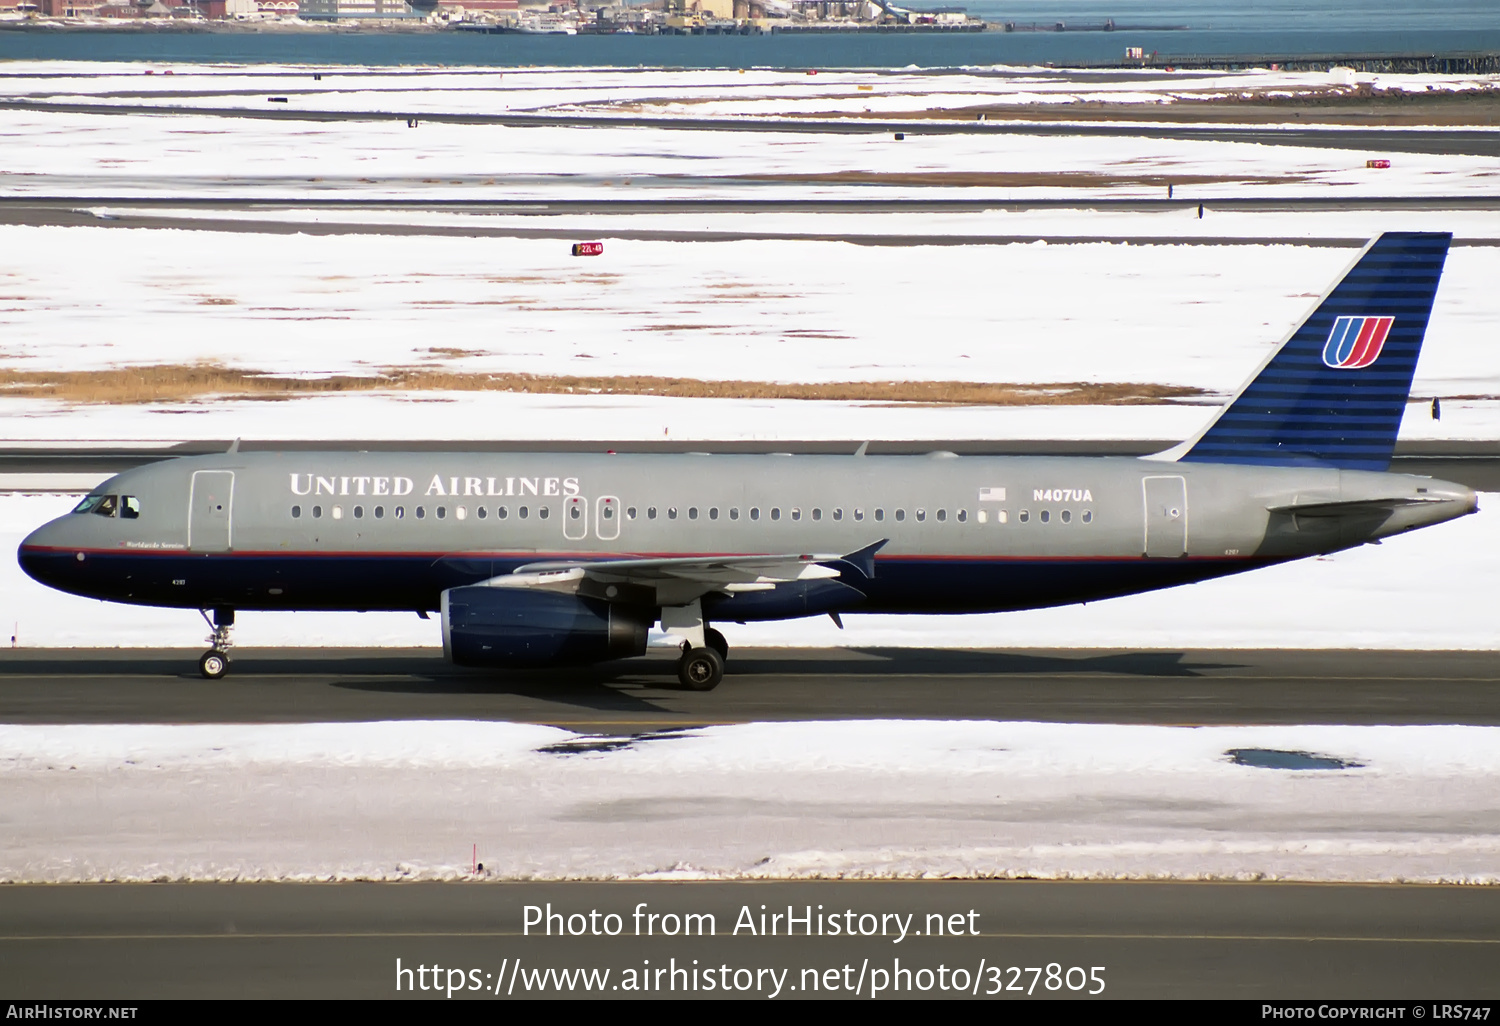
845	799
49	153
1427	590
691	92
779	310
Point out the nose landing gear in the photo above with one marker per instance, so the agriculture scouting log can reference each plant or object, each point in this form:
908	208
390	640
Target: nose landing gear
214	663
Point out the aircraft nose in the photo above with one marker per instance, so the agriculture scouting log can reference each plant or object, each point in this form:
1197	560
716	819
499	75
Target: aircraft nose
38	552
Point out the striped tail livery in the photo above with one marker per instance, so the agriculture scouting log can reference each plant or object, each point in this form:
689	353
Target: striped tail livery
1333	393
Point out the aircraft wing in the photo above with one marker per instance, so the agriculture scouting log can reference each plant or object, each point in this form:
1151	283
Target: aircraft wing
677	580
769	569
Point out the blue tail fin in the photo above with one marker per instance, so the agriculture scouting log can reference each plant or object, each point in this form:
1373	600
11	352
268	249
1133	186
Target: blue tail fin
1334	392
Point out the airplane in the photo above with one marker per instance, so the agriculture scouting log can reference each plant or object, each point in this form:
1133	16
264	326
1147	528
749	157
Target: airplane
549	559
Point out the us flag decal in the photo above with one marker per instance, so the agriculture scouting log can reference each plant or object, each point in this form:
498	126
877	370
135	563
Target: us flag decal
1355	342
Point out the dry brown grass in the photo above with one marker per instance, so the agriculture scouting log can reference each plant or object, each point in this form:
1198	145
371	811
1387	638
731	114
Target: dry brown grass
162	383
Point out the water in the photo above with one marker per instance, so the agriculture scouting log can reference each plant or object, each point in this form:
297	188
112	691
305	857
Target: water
1272	758
1273	27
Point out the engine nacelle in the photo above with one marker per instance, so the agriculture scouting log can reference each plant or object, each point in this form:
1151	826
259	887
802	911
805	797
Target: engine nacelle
528	627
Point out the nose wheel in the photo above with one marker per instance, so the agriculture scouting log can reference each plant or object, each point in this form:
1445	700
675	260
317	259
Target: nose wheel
214	663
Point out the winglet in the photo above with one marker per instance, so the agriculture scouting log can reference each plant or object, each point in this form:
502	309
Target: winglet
863	559
864	447
234	446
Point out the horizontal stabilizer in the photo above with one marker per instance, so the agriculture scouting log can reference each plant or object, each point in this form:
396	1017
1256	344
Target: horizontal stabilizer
1354	507
1333	393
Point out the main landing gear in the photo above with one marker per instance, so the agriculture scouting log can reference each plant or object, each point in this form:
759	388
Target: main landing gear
701	669
214	663
704	649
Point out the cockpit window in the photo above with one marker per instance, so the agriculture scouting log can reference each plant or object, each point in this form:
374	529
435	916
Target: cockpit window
127	506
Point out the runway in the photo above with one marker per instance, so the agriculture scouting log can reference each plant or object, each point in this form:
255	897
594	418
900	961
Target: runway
639	696
1163	940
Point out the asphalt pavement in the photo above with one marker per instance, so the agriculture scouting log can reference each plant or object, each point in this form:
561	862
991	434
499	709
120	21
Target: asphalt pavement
1115	939
641	695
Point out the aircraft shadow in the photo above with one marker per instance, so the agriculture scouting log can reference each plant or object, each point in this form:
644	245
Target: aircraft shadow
896	662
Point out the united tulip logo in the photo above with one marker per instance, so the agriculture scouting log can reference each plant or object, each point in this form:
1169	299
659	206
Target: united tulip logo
1355	342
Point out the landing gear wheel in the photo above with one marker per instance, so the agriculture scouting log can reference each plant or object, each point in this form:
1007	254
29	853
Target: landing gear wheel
701	669
714	640
213	664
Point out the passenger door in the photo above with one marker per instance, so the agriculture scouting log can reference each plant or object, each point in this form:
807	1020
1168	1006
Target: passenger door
210	511
1166	517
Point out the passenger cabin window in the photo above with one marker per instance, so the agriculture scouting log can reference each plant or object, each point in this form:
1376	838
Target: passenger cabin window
630	513
796	513
1024	515
817	514
442	512
296	512
421	512
880	514
544	512
900	515
400	513
942	515
713	512
1046	515
671	512
838	513
754	512
775	512
379	512
523	512
692	512
650	512
1066	515
734	512
359	512
963	515
502	512
479	511
1088	516
317	512
859	514
921	515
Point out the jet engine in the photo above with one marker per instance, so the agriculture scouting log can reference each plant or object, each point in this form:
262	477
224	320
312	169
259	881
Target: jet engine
485	626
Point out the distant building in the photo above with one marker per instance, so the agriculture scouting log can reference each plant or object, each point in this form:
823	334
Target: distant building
69	8
346	10
470	6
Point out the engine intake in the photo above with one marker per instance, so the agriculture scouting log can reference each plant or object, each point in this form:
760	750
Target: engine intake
524	627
